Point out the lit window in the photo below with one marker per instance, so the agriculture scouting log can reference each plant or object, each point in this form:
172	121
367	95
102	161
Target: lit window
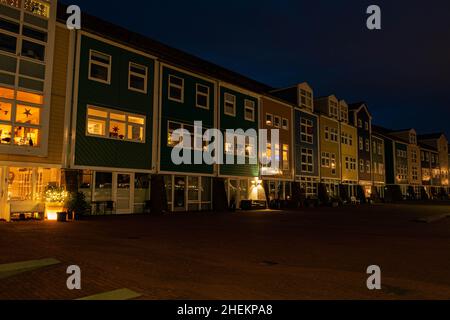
172	126
30	97
269	119
285	157
12	3
202	96
5	111
37	7
114	125
96	127
99	67
25	136
6	93
5	134
230	105
28	114
137	78
22	120
249	110
176	89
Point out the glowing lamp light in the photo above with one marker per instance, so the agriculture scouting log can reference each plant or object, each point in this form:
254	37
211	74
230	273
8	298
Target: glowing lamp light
52	215
54	202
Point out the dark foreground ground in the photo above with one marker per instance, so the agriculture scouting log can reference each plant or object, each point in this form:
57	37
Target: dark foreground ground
312	254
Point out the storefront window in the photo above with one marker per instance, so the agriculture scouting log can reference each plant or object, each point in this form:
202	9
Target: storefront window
168	186
20	184
46	177
103	186
141	191
193	189
22	180
206	193
86	184
244	189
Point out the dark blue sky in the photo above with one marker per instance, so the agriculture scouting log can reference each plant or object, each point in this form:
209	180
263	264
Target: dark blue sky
402	71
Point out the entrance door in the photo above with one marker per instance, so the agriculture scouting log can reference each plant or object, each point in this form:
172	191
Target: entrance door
179	194
124	192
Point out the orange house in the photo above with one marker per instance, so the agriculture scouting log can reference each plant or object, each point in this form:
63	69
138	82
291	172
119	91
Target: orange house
278	115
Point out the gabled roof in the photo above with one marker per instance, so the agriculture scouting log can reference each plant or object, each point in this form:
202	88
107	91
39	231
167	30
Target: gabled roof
174	56
430	136
356	107
427	147
388	133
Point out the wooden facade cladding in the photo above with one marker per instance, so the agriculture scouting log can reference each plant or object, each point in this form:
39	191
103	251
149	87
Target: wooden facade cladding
273	108
57	106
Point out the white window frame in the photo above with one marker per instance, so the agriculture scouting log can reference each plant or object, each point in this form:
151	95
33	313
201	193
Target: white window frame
198	93
108	120
108	66
233	102
325	160
251	107
307	95
309	155
304	135
131	73
170	84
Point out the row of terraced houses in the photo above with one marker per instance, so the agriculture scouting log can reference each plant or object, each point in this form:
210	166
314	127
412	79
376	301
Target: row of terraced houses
93	110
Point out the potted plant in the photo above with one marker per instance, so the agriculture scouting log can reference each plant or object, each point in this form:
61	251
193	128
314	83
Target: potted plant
77	205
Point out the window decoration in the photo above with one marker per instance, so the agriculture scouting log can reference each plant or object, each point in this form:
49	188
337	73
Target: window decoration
113	124
20	117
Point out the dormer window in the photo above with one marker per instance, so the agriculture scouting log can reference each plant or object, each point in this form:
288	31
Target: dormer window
306	99
412	138
344	114
334	113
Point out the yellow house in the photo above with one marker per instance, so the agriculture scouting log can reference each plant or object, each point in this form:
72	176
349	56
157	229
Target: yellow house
32	130
349	151
330	157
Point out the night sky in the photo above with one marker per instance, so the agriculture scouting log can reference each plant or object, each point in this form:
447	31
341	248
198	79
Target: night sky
402	71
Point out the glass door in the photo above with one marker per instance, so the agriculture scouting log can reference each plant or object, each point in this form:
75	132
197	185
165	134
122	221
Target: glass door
124	193
179	194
